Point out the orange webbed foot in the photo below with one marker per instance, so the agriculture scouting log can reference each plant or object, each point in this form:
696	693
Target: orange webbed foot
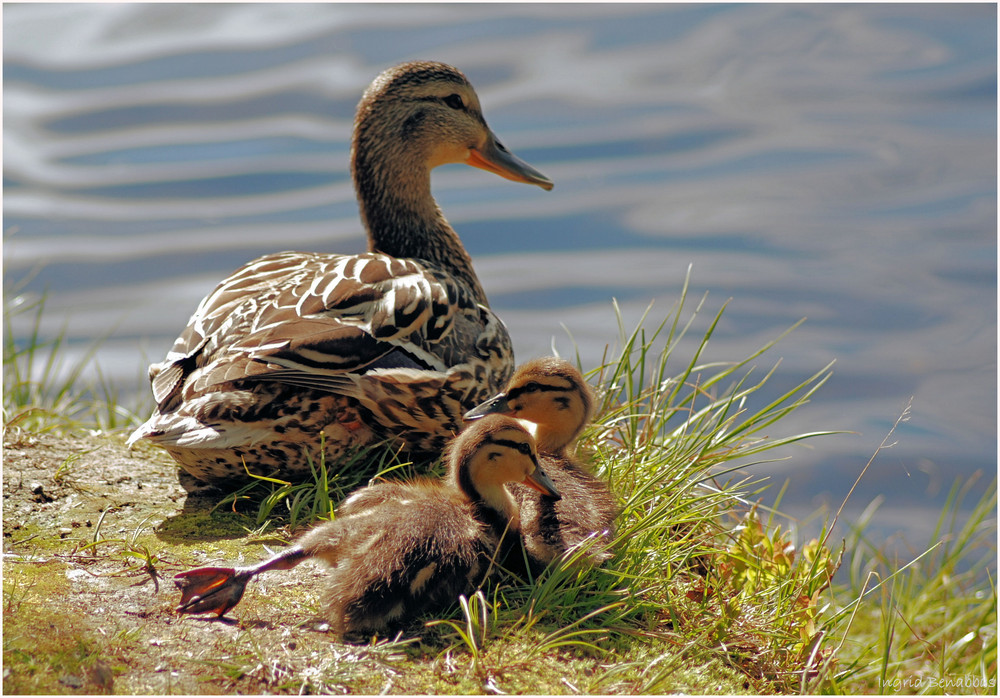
218	589
210	589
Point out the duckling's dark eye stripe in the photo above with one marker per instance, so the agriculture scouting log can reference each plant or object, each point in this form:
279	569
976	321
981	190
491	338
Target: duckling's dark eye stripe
542	387
510	443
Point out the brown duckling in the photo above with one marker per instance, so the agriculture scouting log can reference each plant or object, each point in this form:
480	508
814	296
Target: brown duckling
552	395
297	352
401	549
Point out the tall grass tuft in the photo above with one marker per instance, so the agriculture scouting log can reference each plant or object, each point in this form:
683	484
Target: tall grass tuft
689	574
42	390
927	624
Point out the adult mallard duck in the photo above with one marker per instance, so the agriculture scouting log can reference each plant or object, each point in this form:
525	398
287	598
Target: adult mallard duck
552	396
394	343
399	550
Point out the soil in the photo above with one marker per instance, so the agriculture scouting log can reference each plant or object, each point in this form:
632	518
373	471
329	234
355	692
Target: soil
93	533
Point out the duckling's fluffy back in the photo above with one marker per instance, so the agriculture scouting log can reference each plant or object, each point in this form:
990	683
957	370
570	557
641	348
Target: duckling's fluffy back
384	554
587	510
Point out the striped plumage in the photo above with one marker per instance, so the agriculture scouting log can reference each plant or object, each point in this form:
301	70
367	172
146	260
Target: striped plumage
552	396
397	550
395	343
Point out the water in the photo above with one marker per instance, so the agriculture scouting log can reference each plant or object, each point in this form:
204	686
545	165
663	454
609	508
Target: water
830	162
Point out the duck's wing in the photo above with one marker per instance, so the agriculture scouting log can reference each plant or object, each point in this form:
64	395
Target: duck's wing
311	320
358	311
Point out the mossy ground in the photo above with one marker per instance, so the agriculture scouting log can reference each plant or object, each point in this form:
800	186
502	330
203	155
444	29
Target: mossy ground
93	533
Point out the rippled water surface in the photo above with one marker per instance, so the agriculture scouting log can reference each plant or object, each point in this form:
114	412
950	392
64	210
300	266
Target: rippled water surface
830	162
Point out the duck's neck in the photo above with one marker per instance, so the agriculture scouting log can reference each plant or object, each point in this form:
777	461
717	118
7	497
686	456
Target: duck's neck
494	503
401	216
548	439
499	500
556	445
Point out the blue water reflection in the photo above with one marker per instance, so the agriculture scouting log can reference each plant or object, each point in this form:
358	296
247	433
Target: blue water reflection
834	162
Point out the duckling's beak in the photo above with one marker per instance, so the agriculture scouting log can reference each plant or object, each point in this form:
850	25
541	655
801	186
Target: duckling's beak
538	480
495	405
493	157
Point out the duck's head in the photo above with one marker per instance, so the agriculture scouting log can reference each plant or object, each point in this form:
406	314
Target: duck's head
489	454
423	114
549	392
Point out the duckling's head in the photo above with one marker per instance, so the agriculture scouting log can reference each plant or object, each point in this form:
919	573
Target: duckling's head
492	452
422	114
549	392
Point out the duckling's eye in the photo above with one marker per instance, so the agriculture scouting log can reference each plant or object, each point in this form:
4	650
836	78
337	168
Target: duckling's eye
532	388
454	101
524	448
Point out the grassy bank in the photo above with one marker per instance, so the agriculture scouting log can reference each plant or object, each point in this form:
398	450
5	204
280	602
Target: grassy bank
705	593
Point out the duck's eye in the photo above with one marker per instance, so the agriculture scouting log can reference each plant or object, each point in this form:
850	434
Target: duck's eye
454	101
524	448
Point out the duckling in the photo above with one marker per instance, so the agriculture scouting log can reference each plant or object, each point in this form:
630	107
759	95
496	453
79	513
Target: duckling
398	550
299	349
551	394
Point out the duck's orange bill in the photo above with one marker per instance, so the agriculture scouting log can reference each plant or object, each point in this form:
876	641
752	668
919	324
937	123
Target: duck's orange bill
494	157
